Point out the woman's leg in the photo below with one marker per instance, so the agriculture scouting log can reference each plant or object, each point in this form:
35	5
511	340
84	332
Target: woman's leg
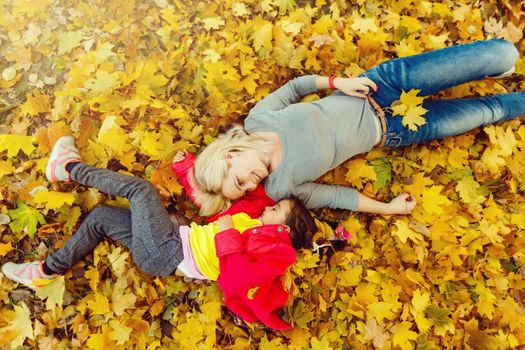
438	70
455	116
155	243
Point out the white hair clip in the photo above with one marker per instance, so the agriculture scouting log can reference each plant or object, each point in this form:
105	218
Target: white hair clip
316	246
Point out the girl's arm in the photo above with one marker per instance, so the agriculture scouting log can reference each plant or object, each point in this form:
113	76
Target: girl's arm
183	162
316	195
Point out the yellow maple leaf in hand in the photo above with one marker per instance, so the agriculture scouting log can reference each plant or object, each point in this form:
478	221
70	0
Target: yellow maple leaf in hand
14	143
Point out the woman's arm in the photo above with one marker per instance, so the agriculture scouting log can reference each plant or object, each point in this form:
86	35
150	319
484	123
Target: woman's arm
289	93
402	204
358	87
316	195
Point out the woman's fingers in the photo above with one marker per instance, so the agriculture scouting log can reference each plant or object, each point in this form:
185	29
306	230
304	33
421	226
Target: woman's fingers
370	83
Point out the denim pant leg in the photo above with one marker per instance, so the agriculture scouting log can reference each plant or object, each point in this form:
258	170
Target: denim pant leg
102	221
438	70
456	116
155	243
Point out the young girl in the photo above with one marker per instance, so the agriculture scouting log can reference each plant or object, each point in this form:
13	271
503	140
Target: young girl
290	144
216	251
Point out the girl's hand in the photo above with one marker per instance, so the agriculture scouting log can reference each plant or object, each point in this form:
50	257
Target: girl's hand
358	87
404	203
224	223
179	156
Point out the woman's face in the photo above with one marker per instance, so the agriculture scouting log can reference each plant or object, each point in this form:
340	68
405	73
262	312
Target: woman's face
247	170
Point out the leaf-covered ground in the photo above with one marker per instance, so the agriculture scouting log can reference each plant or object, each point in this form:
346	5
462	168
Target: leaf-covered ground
135	81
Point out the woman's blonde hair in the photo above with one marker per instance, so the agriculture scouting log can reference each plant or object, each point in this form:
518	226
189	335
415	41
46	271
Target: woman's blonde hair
211	167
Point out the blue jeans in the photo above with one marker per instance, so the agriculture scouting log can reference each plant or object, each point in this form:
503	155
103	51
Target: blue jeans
438	70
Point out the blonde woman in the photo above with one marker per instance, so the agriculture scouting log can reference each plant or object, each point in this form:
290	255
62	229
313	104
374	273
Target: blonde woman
286	145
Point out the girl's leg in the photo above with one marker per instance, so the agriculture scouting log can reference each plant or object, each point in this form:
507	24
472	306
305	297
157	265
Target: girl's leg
100	222
438	70
155	242
455	116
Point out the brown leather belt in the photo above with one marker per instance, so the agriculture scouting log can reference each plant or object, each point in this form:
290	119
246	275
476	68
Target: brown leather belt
381	115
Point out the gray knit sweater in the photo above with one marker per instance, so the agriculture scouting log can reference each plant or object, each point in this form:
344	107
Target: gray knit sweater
316	137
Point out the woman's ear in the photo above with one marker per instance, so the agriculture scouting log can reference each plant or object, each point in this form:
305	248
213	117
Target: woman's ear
230	155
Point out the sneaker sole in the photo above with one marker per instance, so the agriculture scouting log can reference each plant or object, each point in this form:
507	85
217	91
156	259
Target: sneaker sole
16	279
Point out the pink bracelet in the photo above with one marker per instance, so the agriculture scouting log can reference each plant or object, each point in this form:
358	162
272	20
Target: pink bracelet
331	82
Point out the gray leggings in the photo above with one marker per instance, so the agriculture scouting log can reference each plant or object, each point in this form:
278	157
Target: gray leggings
145	228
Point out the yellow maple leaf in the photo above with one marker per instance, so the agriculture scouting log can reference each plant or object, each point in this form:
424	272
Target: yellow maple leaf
100	305
6	168
412	24
213	23
53	292
120	333
103	81
433	201
404	232
239	9
413	117
359	171
54	199
469	191
364	25
37	102
120	301
68	41
420	301
20	324
458	157
14	143
5	248
262	35
381	311
112	135
403	336
485	303
411	98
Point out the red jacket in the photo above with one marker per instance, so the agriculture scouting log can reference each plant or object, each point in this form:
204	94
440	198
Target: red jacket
251	265
253	203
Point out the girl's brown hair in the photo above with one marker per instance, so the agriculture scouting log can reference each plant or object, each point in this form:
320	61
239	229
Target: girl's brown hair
303	228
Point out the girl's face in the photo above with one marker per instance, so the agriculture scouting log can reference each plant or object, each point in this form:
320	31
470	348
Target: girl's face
276	214
246	171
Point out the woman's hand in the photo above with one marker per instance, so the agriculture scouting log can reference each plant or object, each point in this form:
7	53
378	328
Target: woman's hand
179	156
358	87
224	223
404	203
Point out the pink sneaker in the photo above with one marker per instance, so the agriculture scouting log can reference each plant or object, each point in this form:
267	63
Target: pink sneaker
30	274
64	152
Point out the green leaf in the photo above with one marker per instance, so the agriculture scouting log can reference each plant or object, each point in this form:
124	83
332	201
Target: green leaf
439	317
383	169
25	219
